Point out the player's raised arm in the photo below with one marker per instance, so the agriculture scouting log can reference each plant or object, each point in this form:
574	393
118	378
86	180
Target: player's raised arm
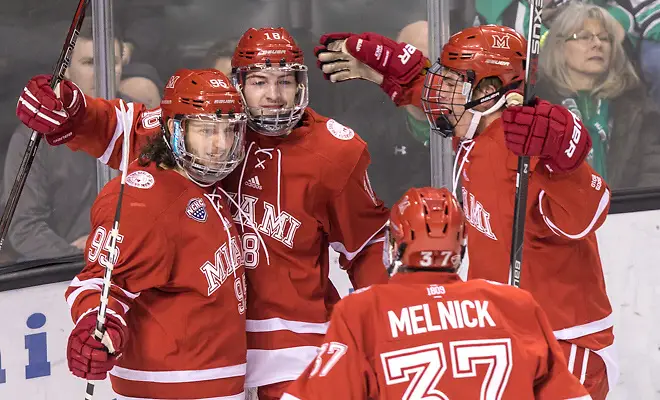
92	125
574	199
398	68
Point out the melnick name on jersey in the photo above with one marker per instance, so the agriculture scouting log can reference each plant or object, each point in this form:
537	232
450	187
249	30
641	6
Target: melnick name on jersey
441	315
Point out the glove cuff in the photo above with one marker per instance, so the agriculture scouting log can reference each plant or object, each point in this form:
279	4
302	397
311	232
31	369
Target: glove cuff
393	89
56	139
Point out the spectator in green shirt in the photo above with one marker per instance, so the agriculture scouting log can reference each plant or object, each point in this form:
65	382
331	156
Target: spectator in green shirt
584	67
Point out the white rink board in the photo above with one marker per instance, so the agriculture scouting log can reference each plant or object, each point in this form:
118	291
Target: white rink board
630	249
40	383
629	245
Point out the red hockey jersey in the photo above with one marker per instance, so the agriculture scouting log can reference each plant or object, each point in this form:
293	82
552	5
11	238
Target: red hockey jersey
430	335
298	195
561	265
178	284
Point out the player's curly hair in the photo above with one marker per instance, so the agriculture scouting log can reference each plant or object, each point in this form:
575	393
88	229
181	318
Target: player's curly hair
157	151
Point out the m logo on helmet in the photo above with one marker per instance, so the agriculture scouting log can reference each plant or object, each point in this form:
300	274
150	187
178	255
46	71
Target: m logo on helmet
172	82
501	42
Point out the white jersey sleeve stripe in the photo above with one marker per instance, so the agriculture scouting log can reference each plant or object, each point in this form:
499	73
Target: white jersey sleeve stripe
119	130
230	371
340	248
602	205
280	324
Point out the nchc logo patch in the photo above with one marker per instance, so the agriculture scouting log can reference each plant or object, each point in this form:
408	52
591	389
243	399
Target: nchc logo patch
196	209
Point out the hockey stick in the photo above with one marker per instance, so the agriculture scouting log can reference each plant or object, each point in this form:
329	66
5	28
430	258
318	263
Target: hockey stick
31	150
522	177
99	331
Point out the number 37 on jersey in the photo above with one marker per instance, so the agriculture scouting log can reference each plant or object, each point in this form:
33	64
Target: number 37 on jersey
417	371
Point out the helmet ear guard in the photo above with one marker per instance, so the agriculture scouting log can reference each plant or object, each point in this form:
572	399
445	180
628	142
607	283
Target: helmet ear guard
493	96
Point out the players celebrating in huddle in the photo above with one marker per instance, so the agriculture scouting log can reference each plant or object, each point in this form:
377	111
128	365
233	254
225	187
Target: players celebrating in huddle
295	186
288	216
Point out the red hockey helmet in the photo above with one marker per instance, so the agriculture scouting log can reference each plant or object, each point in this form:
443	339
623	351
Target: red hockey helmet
426	230
204	120
471	55
487	51
273	46
268	68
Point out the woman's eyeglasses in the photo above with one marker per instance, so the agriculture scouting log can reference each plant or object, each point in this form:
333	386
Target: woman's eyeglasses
588	37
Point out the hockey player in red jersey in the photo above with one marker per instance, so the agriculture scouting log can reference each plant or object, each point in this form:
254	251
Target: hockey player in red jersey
177	307
463	97
302	189
312	172
428	334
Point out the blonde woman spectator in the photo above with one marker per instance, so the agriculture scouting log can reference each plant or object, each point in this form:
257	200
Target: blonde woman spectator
584	67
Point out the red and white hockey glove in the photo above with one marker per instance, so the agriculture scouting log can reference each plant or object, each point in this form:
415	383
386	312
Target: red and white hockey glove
548	131
54	116
87	357
370	56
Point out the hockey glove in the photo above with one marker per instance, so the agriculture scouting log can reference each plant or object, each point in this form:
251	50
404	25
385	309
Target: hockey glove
41	109
87	357
370	56
548	131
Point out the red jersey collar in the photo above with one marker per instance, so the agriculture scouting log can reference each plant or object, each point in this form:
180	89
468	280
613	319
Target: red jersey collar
430	277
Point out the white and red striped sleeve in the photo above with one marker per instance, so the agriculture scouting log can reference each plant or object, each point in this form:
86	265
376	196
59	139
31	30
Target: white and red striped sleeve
144	262
101	132
553	380
572	205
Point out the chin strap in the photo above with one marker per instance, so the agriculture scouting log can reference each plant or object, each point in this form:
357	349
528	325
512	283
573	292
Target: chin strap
476	116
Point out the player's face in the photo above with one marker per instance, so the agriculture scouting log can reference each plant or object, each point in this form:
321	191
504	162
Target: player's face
81	70
210	141
587	52
452	94
270	89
